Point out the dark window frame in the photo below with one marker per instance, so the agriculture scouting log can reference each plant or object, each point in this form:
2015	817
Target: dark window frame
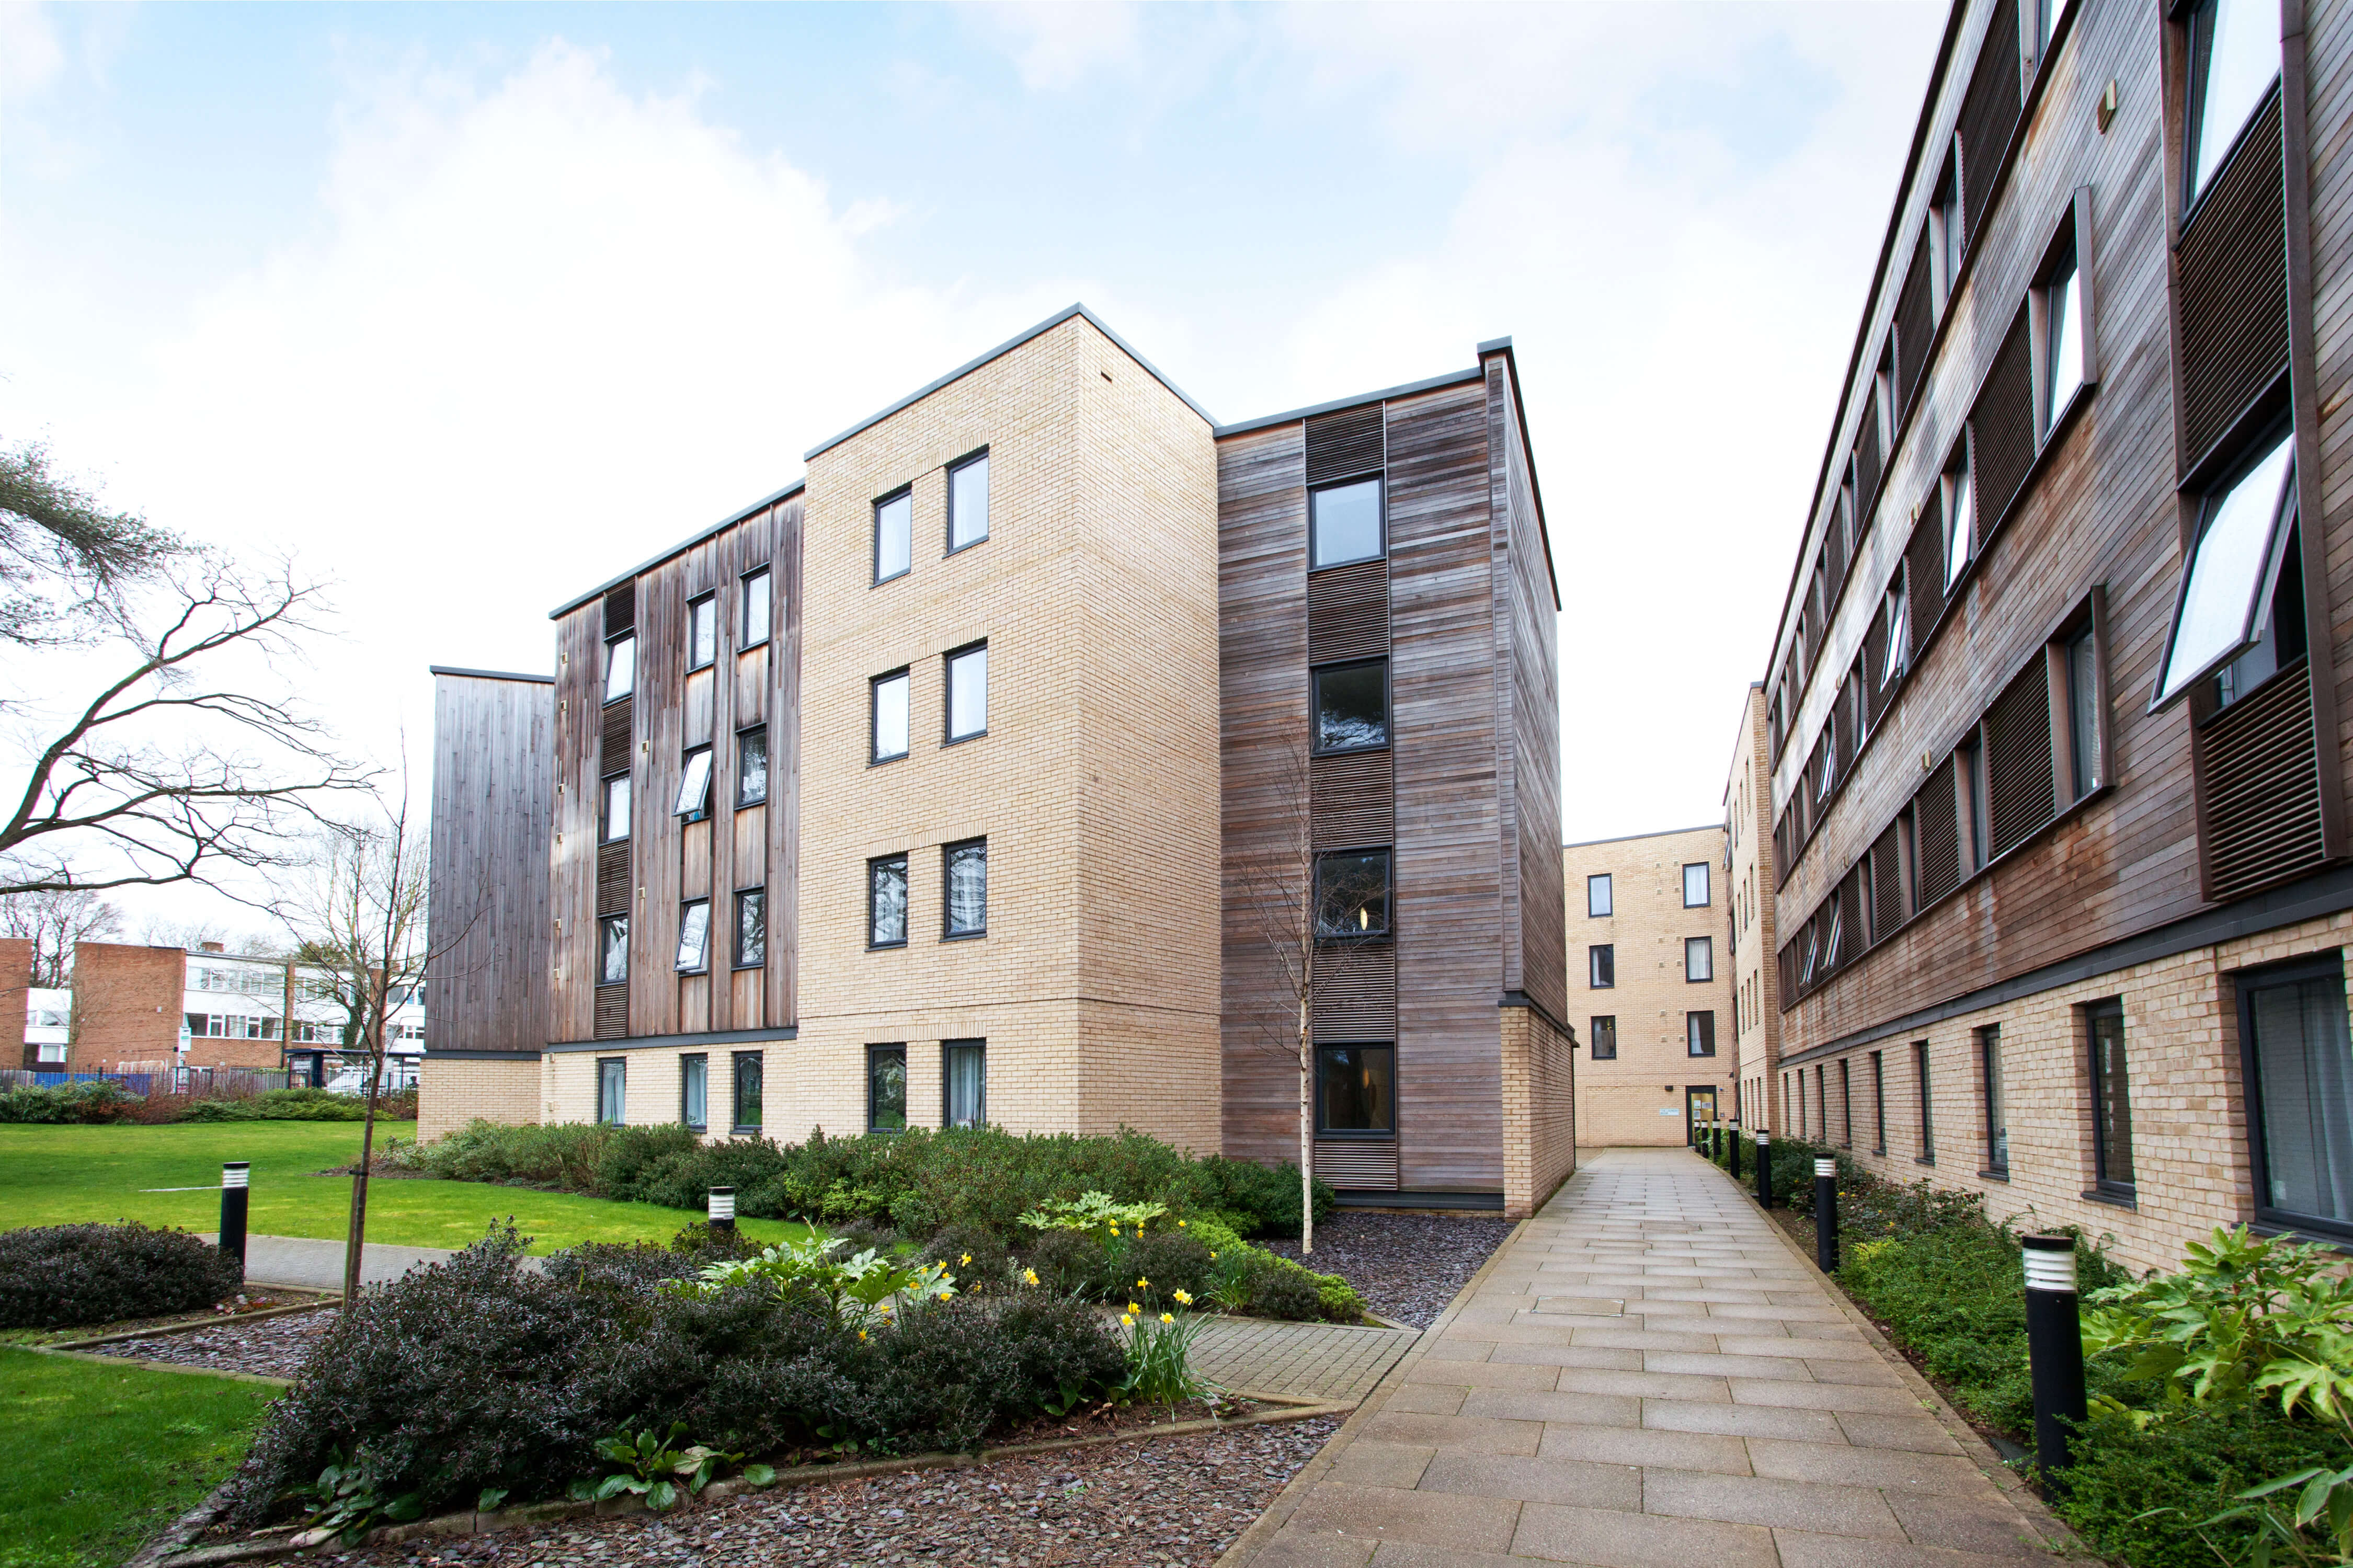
1325	1131
684	1059
606	695
736	943
1707	946
2206	501
759	1062
684	907
947	854
2193	109
978	1046
1388	928
901	860
885	1050
710	782
605	924
1609	891
1316	675
948	737
875	757
695	607
607	1114
1600	956
1596	1021
1846	1102
2090	1016
1700	1022
605	833
2069	254
1993	1101
1378	479
1879	1102
743	602
1707	874
750	733
1927	1107
2326	965
953	469
905	492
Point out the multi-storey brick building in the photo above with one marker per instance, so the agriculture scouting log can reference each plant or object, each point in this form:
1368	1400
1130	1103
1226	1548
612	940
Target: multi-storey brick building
936	789
2056	707
1750	939
1646	924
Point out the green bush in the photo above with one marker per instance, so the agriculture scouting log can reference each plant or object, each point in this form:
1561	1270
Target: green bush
284	1105
66	1276
92	1102
2135	1494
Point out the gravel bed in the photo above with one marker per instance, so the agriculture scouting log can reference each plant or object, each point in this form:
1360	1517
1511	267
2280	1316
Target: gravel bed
273	1347
1176	1501
1407	1266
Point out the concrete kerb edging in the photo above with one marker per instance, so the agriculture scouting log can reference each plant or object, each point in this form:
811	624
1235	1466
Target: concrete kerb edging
478	1522
1278	1514
1981	1454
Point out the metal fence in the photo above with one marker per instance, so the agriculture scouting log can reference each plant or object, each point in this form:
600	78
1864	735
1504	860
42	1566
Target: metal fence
210	1083
27	1078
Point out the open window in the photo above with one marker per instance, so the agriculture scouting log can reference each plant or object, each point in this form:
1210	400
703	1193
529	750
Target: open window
694	786
2231	601
2234	58
1956	499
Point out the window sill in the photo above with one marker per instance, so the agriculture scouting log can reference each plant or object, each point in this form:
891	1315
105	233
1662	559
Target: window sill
960	739
748	968
748	804
1350	751
1356	1135
698	1127
1992	1175
706	664
955	550
2119	1200
886	946
1924	1159
705	970
886	762
752	1131
622	696
962	935
894	577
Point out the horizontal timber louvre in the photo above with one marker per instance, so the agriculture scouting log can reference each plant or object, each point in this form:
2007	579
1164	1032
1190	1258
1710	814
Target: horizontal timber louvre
2260	774
2019	788
1989	113
2232	273
1343	445
2002	429
1915	329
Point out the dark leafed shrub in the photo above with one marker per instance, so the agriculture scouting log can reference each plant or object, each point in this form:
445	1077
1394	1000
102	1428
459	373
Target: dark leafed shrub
1065	1260
97	1100
54	1276
1291	1292
858	1234
636	1157
2135	1493
1170	1260
563	1154
701	1244
973	1255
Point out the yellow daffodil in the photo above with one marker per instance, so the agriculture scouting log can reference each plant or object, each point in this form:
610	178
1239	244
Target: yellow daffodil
1180	1225
1213	1258
1125	1321
1134	1308
1144	1284
1166	1319
965	1261
1029	1275
861	1336
1184	1298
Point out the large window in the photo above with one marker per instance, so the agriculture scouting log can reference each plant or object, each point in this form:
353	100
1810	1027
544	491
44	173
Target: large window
1352	706
1927	1156
1695	890
694	1092
886	1089
695	785
702	632
894	536
964	882
2234	57
756	609
1598	895
2062	300
1356	1089
886	901
2232	603
1346	523
1846	1104
694	936
1878	1103
2112	1161
612	1091
1699	958
613	950
888	713
1990	1102
1958	499
1605	1037
749	1093
2297	1062
751	767
1351	893
752	928
2086	703
1601	966
620	667
615	823
967	686
968	502
1699	1034
964	1083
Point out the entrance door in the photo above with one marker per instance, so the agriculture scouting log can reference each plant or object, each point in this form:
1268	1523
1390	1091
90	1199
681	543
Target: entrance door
1698	1105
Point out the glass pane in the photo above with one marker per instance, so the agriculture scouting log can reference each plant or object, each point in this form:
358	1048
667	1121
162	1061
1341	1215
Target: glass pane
1352	894
2083	712
2066	351
966	1074
2226	571
2304	1062
2234	57
1596	895
1696	893
616	808
967	890
968	694
1603	966
1997	1124
620	667
1898	610
694	936
694	784
612	1078
1352	708
751	929
694	1091
1699	1034
613	966
886	1089
749	1079
1960	521
891	718
1358	1088
1699	958
2111	1098
705	633
1605	1039
1346	522
894	537
752	767
968	504
756	609
889	902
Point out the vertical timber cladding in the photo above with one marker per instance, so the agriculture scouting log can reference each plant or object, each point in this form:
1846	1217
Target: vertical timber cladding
2231	274
493	792
573	854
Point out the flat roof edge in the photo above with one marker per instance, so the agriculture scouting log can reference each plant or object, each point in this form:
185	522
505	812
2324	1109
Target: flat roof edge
1662	833
1427	384
488	674
675	551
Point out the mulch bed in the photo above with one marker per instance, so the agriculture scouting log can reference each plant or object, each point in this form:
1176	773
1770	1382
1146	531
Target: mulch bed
253	1300
272	1347
1176	1501
1407	1266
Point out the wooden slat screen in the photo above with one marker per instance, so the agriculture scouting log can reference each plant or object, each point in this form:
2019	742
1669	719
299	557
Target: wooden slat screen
621	609
1358	1164
1989	115
2001	428
1851	926
1886	886
1356	999
2019	794
1875	688
1915	327
1341	445
1938	835
1348	612
1834	560
1867	460
613	752
612	879
2261	779
1924	570
2233	290
1849	740
612	1013
1352	801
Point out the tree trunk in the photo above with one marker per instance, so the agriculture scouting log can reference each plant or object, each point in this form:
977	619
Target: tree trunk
355	1242
1306	1128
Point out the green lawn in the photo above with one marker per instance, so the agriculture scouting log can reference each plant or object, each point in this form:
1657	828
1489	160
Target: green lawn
58	1175
94	1459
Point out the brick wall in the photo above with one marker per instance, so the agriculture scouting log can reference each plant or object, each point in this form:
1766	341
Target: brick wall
126	1008
1755	979
453	1090
16	980
1540	1110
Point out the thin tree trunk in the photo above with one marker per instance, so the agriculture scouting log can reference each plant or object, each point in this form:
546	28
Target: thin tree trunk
1307	1113
356	1243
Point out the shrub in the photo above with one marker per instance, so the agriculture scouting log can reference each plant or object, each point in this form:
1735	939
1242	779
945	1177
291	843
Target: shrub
1286	1293
972	1254
284	1105
95	1100
1170	1259
64	1276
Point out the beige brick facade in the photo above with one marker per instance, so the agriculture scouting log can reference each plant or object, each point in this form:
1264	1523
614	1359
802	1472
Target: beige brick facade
1755	978
1539	1079
454	1091
1643	1094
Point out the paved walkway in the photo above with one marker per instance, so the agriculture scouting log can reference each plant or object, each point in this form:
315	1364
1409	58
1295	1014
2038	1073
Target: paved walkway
1650	1375
307	1263
1307	1360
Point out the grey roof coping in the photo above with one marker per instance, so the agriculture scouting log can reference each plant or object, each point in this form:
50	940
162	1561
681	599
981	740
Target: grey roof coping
1427	384
488	674
675	551
1630	837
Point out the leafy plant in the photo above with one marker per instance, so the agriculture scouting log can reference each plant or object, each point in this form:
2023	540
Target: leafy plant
1094	1212
1160	1358
650	1467
859	1291
347	1501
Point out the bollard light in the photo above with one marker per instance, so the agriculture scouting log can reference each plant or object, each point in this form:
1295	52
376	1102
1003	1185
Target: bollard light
1733	1155
2055	1346
1826	1215
1764	1169
236	1176
723	1208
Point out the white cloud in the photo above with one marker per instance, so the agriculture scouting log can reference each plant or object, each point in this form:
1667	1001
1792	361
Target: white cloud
1059	44
30	52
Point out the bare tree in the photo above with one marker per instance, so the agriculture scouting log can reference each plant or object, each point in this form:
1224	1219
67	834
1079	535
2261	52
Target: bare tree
1314	913
53	922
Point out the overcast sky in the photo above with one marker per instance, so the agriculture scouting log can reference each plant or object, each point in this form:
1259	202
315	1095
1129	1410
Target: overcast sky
471	307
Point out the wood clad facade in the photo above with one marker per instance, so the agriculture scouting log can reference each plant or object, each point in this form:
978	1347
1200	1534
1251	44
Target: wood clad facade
493	787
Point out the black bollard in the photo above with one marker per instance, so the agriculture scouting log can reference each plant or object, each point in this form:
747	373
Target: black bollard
2055	1346
723	1208
1826	1215
235	1176
1764	1169
1732	1150
1716	1138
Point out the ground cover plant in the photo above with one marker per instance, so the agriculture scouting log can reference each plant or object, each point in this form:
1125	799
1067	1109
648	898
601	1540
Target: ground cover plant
96	1459
55	1277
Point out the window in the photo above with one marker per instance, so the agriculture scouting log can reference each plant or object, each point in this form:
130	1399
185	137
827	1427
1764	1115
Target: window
965	879
967	502
890	716
702	632
2297	1062
894	536
2233	574
694	1092
1944	236
612	1085
968	692
620	667
886	901
2234	57
694	786
752	928
1846	1105
2064	328
53	1051
750	1091
616	809
2048	13
964	1083
1356	1089
755	608
1352	707
1895	614
1695	890
2112	1161
1699	1034
1968	776
1699	958
1927	1156
694	936
2083	707
886	1089
613	950
1997	1130
1878	1103
1351	893
1344	523
1598	895
751	767
1959	505
1601	966
1605	1039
